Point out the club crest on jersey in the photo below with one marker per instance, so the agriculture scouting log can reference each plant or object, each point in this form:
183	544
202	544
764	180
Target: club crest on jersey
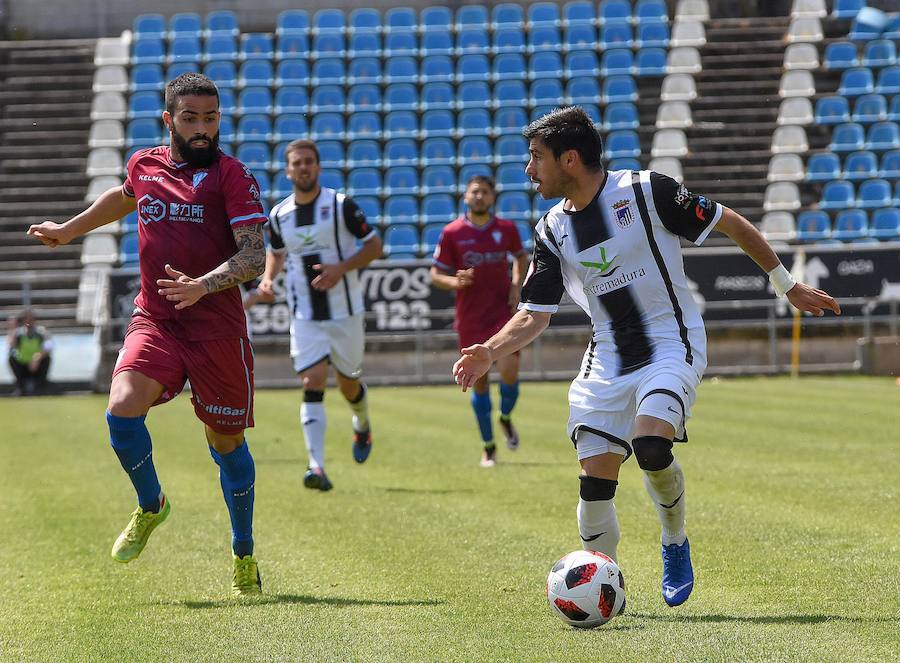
497	235
199	176
623	213
324	212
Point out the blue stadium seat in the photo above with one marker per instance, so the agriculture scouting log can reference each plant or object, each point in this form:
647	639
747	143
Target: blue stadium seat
329	20
145	132
838	195
292	22
892	29
291	127
512	177
545	65
580	37
473	122
539	111
257	46
254	128
617	35
526	234
624	163
856	81
438	179
579	12
651	11
331	154
614	11
364	70
509	66
327	126
222	73
130	223
401	209
622	144
544	39
584	63
436	19
621	116
873	194
880	53
438	96
401	152
292	73
145	104
510	120
511	149
619	88
228	102
401	70
401	241
128	249
438	208
885	224
227	132
175	70
545	91
543	14
883	136
858	166
471	16
147	77
364	182
896	202
509	93
475	149
541	206
401	96
431	234
401	19
397	44
332	178
436	69
870	108
436	43
850	224
364	125
438	152
863	30
890	165
507	15
281	187
438	123
364	154
813	226
328	99
847	137
148	51
473	68
255	156
652	35
401	124
292	47
841	55
508	40
329	45
255	100
847	8
185	50
616	62
468	172
402	181
823	167
472	41
149	26
473	94
364	98
371	207
364	44
651	62
593	112
291	99
832	110
222	22
888	81
185	24
514	205
328	71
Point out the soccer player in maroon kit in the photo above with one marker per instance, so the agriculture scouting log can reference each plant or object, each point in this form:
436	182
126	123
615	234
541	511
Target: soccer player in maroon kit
200	235
472	259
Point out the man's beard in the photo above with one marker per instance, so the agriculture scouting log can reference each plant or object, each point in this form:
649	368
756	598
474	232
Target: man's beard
197	157
306	188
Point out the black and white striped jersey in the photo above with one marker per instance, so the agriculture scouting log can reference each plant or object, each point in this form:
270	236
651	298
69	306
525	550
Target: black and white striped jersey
620	259
324	231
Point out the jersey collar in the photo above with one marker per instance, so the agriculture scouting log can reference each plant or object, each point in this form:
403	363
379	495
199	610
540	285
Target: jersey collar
487	225
593	200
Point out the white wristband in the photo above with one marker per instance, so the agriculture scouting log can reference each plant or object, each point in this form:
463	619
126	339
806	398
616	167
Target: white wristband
781	280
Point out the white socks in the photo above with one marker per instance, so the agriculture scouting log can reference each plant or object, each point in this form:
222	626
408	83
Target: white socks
598	526
666	487
312	418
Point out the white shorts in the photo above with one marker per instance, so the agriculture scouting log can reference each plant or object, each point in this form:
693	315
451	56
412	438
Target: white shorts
342	342
602	411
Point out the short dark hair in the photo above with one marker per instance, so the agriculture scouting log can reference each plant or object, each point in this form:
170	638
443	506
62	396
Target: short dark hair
487	180
569	128
301	144
189	83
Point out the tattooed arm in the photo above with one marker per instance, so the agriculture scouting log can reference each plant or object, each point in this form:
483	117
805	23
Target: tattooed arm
246	264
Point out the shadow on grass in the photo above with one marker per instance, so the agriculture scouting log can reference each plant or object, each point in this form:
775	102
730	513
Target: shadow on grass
761	619
303	599
429	491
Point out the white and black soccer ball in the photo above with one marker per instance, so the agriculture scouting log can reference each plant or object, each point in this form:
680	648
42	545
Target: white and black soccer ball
586	589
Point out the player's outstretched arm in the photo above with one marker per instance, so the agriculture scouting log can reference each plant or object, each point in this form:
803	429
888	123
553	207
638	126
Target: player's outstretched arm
330	274
752	242
111	206
476	360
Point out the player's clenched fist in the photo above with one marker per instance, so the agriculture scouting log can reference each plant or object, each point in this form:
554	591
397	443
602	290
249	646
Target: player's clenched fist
50	233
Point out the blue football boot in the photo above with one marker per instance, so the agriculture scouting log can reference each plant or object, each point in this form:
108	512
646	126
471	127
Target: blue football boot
678	575
362	445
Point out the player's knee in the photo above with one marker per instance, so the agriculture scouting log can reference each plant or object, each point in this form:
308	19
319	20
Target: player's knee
313	395
653	453
594	489
314	383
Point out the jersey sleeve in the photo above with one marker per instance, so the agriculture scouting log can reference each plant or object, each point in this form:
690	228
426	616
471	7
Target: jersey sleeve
242	196
445	258
683	213
543	288
273	232
355	220
127	186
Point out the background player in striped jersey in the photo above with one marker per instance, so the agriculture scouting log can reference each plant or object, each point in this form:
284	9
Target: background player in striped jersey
613	244
472	259
314	233
199	211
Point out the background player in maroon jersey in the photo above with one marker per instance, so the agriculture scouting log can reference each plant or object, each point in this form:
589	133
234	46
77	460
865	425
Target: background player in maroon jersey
200	235
472	259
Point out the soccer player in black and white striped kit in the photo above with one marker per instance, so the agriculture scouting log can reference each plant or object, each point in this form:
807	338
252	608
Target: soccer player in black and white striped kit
612	243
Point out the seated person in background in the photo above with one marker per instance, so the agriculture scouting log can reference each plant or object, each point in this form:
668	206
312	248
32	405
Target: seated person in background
29	354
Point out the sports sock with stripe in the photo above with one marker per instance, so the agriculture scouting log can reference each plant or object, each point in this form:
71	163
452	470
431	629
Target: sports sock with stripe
237	475
598	524
130	439
666	488
312	419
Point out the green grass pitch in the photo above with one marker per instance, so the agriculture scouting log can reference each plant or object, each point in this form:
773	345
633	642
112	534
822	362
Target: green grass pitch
421	555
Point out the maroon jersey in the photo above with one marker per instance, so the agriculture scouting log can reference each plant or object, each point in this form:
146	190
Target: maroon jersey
485	304
186	216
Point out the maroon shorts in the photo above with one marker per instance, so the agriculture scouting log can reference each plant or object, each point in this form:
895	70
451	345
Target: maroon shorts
220	371
469	337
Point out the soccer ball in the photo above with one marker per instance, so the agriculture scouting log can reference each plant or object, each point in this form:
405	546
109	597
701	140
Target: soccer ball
586	589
